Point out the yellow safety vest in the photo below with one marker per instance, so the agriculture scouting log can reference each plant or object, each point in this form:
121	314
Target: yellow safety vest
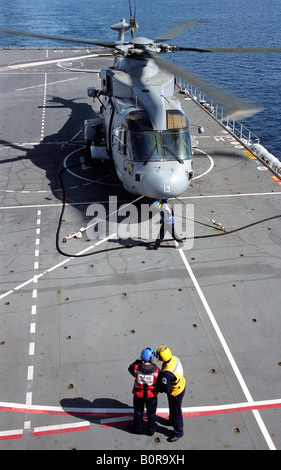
174	366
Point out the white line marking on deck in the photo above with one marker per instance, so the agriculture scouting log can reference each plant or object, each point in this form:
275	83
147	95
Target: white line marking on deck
56	266
227	351
44	107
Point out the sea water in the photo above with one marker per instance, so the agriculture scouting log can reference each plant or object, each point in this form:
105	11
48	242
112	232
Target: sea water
228	23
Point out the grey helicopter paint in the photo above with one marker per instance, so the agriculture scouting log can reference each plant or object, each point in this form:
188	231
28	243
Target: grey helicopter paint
142	126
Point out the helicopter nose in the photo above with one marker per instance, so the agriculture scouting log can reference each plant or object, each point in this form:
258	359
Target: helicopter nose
165	184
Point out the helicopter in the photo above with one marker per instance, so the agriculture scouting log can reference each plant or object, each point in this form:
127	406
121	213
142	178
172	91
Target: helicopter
141	125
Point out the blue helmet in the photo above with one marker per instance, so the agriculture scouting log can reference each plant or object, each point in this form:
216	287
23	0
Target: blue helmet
156	204
147	354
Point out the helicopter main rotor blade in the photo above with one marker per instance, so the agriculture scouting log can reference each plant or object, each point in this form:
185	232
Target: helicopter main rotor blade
233	50
173	32
236	108
59	38
133	23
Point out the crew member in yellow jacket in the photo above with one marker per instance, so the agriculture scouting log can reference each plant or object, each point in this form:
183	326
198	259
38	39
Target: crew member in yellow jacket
171	381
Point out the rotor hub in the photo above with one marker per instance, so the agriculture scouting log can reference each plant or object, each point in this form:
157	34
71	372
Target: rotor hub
141	41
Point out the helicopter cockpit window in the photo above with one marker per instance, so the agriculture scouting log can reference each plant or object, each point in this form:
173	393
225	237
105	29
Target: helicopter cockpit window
176	120
146	144
139	136
176	144
138	121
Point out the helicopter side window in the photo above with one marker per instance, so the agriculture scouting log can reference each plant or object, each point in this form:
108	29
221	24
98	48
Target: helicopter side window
122	141
125	142
109	83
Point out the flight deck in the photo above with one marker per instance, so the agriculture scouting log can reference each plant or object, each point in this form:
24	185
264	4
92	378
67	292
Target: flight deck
75	314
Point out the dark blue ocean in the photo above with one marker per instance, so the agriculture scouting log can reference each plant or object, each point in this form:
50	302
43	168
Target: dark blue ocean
236	23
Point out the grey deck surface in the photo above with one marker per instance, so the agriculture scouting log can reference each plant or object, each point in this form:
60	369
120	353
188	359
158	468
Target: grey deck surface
70	327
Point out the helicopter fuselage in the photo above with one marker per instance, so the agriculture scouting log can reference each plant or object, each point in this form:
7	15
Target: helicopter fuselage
145	130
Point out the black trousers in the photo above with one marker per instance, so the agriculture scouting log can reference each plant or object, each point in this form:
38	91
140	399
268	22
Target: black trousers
151	406
170	228
176	418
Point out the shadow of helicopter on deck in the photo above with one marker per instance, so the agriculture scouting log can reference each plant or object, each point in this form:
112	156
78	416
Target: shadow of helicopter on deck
66	152
73	177
57	152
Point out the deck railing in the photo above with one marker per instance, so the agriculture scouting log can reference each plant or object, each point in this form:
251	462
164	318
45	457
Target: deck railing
236	128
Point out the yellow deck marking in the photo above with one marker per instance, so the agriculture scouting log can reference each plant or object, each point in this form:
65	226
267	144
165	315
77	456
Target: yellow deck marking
249	154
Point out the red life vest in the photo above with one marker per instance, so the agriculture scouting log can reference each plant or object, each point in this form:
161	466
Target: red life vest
145	384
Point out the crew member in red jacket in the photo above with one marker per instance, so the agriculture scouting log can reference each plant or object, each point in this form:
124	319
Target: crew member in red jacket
144	391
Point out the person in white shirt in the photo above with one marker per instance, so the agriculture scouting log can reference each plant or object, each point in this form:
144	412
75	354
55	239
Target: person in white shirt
167	223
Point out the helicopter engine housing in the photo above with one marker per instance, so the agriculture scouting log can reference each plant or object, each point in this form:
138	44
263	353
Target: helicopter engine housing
93	127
